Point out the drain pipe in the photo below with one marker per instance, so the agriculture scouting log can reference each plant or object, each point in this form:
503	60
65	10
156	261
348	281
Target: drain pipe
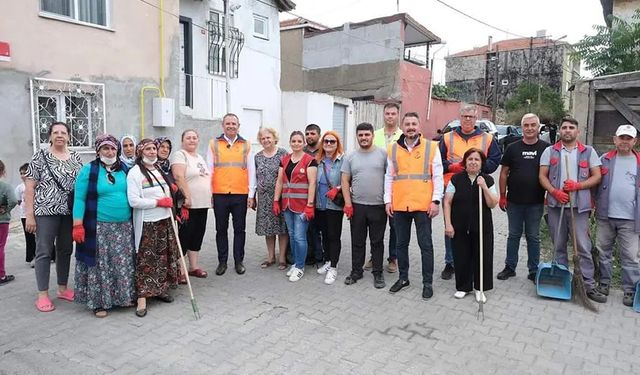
431	80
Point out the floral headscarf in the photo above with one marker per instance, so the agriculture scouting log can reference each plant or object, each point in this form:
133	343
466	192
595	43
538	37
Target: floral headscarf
163	164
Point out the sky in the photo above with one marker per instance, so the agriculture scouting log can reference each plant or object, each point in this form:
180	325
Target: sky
573	18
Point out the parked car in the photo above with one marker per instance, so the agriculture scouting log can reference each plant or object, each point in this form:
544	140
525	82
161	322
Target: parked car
485	125
507	134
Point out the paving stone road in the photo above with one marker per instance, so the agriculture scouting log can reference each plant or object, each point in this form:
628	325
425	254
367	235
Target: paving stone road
260	323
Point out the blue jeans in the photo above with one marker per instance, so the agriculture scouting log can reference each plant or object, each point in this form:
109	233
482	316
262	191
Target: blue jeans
527	217
297	227
403	236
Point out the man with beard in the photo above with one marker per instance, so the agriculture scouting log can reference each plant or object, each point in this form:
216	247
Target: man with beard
314	241
362	184
413	189
584	174
233	187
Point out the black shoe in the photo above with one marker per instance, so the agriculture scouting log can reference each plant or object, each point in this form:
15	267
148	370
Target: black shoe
141	313
447	272
222	268
596	296
378	281
427	292
6	279
240	268
532	277
165	297
628	298
398	286
603	288
352	279
506	273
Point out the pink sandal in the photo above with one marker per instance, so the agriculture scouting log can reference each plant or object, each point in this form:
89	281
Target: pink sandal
67	295
44	304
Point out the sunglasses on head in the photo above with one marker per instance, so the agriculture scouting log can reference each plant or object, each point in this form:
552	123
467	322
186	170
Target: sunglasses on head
330	141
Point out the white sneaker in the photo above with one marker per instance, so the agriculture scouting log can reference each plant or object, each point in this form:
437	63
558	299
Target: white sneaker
325	267
296	275
332	275
480	296
460	294
290	270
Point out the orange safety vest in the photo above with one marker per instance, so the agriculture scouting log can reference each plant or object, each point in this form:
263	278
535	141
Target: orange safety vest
460	146
295	192
412	188
230	175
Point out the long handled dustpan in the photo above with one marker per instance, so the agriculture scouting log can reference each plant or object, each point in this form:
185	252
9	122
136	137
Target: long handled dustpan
553	280
636	300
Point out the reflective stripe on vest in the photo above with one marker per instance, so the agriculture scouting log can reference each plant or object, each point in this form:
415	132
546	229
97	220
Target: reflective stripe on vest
216	156
452	158
425	176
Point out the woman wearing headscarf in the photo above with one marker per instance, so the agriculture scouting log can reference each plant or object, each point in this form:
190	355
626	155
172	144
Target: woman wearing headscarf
163	144
128	150
102	230
154	237
462	223
50	179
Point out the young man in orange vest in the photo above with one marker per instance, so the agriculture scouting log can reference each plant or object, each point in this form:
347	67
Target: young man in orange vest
453	145
232	184
413	190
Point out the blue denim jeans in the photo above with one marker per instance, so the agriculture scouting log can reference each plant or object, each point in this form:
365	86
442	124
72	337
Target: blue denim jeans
527	217
403	236
297	227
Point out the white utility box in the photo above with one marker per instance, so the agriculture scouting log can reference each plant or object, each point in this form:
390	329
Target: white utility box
164	112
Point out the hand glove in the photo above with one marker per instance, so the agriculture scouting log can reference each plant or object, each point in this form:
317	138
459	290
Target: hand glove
560	196
309	212
174	188
331	194
276	208
503	202
456	167
348	210
570	185
164	202
184	214
78	233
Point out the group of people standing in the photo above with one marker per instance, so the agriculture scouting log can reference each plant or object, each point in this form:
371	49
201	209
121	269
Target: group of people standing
131	209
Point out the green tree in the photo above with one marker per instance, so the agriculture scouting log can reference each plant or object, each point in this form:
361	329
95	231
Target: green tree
611	50
442	92
539	99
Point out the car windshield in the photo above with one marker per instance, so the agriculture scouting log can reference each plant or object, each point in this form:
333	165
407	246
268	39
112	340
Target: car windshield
502	130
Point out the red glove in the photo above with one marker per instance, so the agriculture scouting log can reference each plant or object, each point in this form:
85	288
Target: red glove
570	185
331	194
503	202
560	196
456	167
164	202
348	210
174	188
184	214
309	212
276	208
78	233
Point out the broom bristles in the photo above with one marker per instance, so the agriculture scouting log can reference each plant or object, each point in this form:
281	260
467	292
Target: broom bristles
579	288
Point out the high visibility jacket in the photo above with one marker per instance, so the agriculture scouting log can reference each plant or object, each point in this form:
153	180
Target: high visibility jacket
230	175
295	192
457	146
412	188
584	172
602	198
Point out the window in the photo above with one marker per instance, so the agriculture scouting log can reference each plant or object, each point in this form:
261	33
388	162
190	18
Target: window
260	27
90	11
79	104
217	49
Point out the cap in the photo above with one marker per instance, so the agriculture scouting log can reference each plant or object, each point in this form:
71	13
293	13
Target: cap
626	130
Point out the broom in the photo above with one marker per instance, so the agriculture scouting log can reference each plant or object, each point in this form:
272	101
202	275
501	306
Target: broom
194	304
578	281
480	301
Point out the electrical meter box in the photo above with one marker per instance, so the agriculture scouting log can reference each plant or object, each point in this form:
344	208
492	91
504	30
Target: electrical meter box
164	112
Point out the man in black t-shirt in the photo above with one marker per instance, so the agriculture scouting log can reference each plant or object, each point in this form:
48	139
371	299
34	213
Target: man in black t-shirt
524	202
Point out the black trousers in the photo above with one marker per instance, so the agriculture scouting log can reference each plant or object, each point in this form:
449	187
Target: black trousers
236	206
329	223
192	231
374	220
30	240
466	257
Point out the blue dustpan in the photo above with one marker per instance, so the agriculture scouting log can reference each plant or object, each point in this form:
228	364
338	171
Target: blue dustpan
553	280
636	301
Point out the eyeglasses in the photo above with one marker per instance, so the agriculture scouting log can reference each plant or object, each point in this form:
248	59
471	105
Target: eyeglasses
112	180
330	141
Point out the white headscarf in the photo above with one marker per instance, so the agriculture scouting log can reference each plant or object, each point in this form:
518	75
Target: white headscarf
130	162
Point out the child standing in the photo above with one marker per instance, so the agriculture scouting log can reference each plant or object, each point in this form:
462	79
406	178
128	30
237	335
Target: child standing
30	238
7	203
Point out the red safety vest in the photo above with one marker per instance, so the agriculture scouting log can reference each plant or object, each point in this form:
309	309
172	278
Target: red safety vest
295	192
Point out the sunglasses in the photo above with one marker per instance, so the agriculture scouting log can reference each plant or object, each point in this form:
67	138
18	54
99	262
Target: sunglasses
111	178
330	141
